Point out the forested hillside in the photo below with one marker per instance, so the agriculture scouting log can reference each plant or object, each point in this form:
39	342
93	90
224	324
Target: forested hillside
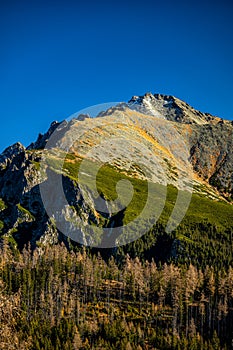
62	299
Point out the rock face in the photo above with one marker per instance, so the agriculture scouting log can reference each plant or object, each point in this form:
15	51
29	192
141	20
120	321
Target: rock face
134	130
211	155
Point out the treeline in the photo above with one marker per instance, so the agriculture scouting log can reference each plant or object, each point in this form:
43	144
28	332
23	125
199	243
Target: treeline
56	299
201	244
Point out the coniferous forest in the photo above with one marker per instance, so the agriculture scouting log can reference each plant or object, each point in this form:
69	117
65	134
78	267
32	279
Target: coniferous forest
59	297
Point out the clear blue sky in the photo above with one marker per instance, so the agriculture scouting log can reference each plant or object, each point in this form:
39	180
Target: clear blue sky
59	57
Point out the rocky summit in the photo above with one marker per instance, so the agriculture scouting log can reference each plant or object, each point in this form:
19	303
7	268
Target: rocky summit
155	139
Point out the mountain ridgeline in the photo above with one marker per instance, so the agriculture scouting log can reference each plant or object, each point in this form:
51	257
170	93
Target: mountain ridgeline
119	140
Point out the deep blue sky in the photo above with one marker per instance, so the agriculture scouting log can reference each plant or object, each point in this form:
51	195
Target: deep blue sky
59	57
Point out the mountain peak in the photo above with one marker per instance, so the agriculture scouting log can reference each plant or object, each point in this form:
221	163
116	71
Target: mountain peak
169	107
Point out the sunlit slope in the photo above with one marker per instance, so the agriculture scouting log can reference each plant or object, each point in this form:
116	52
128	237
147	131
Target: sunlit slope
201	208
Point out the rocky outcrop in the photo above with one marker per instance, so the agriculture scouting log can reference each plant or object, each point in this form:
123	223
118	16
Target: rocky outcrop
43	138
23	215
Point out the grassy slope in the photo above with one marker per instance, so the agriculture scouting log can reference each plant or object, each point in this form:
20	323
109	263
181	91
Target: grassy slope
201	209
